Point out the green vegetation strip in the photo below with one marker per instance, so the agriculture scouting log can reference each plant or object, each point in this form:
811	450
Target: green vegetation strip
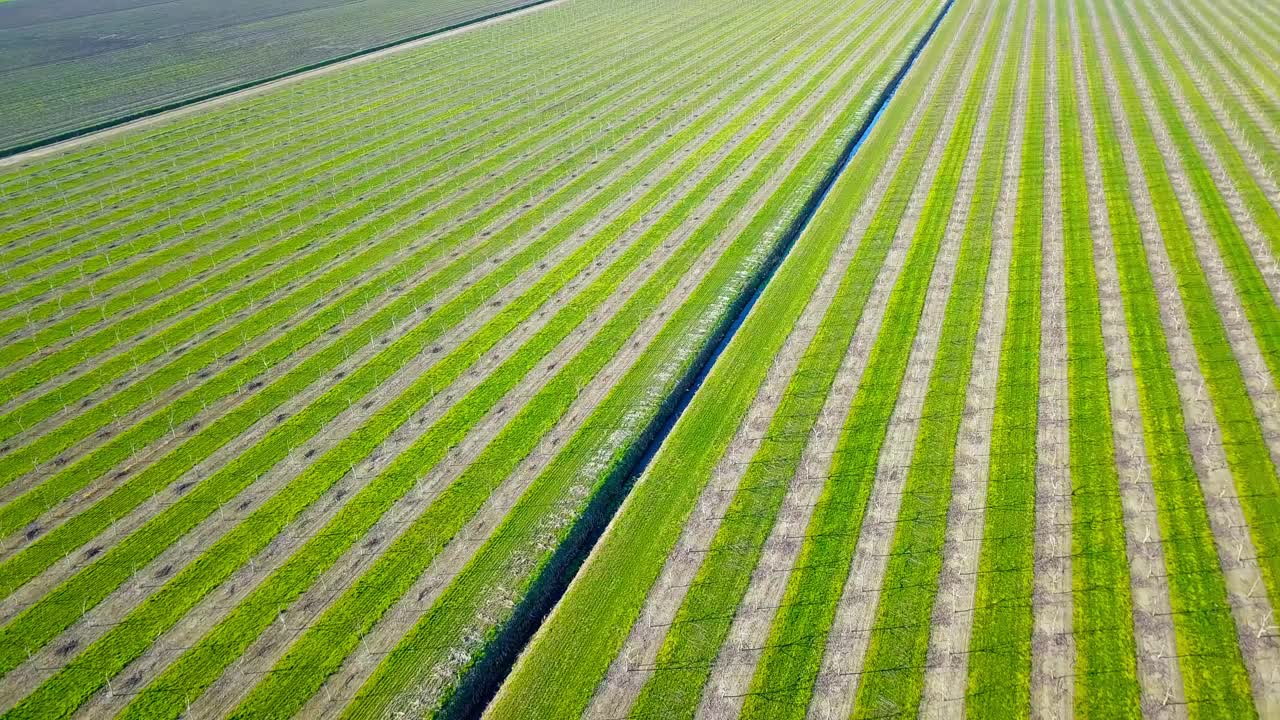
1000	648
893	670
1102	619
1246	450
1213	672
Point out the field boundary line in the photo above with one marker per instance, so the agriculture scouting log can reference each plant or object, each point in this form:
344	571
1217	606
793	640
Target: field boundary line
72	139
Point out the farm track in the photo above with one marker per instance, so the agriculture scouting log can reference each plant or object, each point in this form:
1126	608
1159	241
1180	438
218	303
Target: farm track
1053	641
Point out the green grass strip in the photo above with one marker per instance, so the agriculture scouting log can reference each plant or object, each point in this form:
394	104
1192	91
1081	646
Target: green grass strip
1214	678
1000	648
893	674
1106	684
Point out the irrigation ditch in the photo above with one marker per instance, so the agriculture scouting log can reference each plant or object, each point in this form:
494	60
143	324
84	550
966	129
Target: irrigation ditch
481	681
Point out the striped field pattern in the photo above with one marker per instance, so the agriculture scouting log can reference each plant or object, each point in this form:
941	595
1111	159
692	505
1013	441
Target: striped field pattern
1000	438
304	396
515	374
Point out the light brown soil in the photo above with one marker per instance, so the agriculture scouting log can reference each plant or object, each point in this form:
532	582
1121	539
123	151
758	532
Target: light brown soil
1053	649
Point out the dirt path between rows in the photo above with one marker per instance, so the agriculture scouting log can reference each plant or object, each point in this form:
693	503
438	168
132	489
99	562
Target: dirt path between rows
1053	647
947	662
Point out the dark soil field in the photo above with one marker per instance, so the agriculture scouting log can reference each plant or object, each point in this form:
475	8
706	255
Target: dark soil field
65	66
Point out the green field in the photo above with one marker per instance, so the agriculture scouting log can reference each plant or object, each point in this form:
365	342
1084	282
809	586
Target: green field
664	359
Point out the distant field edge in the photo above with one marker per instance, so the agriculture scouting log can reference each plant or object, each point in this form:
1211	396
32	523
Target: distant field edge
483	680
71	138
